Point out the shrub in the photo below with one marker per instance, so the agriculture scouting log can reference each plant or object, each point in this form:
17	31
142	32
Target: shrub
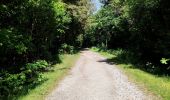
65	48
29	76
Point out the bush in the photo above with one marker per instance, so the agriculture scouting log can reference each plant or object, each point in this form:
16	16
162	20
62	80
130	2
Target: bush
39	65
30	75
65	48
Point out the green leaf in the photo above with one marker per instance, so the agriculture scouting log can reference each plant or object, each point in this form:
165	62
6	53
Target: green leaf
164	61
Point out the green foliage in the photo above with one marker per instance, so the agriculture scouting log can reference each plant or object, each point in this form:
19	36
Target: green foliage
12	40
29	76
52	78
62	17
35	30
36	66
106	27
164	61
32	30
79	12
65	48
140	26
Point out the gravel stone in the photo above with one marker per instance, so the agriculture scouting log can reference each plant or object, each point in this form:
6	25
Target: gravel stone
92	78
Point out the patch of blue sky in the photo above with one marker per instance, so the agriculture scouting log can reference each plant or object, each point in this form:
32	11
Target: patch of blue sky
97	5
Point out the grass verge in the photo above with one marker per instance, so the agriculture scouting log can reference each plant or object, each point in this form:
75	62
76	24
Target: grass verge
158	85
52	78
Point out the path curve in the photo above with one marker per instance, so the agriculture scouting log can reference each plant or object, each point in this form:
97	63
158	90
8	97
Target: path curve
93	79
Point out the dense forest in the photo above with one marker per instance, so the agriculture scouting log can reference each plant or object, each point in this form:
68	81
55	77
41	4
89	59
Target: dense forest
140	27
32	35
34	32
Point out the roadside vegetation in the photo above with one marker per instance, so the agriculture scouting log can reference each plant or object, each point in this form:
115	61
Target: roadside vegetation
51	78
33	33
139	26
150	83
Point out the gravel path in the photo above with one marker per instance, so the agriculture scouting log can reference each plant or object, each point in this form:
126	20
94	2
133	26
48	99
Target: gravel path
94	79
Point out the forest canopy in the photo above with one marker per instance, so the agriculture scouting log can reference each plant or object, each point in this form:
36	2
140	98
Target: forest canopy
139	26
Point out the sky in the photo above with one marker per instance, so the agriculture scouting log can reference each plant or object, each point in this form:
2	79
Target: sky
97	5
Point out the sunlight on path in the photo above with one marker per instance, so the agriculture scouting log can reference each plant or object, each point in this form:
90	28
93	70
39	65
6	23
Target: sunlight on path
93	78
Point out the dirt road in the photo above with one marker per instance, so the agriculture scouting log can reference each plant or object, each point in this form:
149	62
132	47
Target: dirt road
94	79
